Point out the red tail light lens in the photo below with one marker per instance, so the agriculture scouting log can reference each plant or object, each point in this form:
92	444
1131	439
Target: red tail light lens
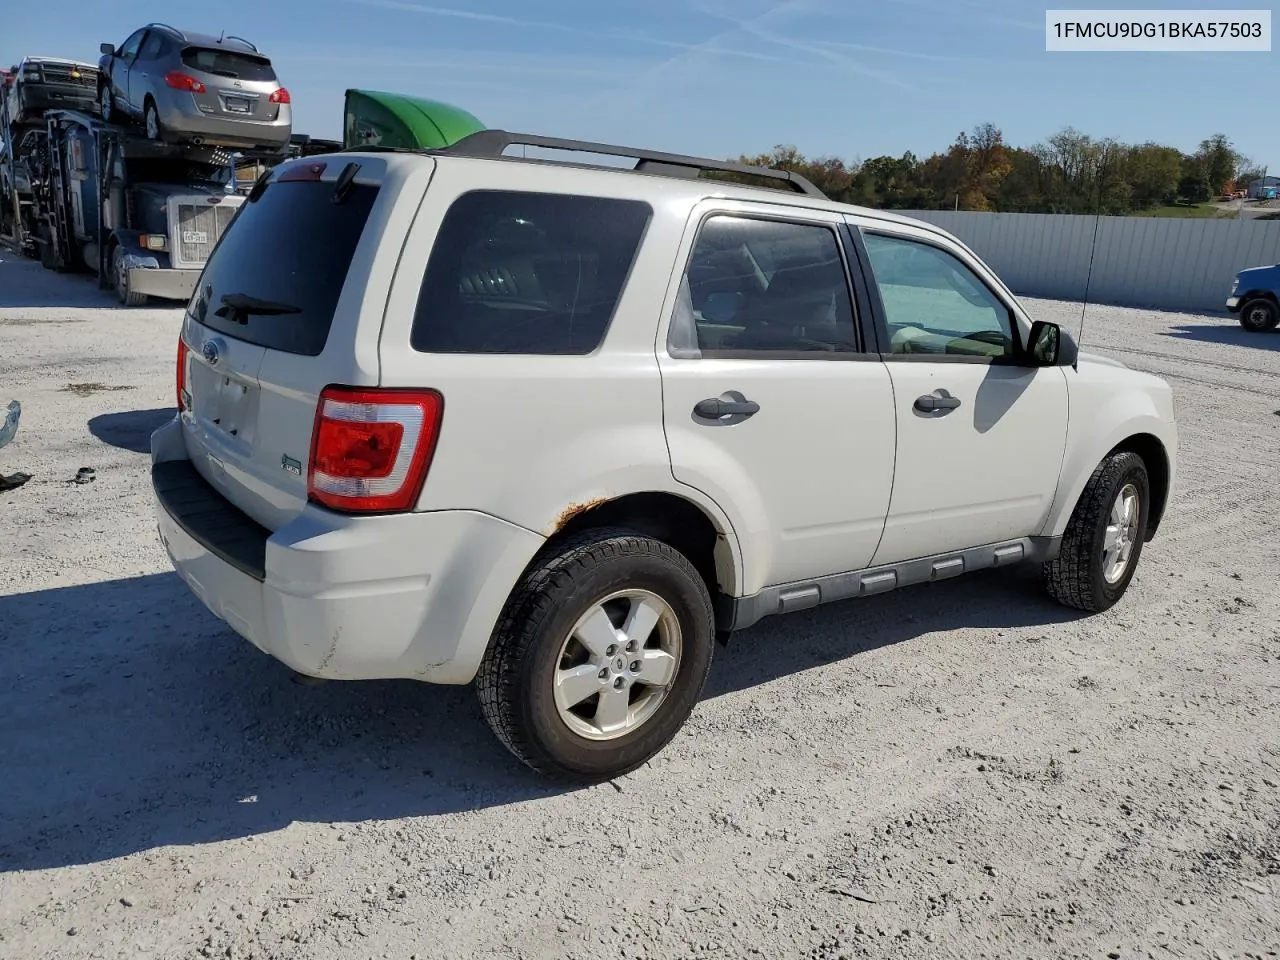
182	374
280	96
371	448
181	81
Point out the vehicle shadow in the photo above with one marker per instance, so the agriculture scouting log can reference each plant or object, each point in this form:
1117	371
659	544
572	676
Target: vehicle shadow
134	719
130	429
25	283
1232	335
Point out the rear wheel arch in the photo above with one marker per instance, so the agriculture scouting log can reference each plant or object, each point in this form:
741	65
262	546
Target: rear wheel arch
667	517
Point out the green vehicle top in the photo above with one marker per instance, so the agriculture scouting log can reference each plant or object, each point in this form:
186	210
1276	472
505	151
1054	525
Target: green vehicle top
375	118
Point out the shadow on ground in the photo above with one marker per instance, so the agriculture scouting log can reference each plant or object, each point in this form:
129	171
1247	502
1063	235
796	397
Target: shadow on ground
133	719
25	283
130	429
1233	335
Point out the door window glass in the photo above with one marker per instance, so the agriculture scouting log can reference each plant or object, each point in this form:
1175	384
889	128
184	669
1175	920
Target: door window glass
935	304
760	287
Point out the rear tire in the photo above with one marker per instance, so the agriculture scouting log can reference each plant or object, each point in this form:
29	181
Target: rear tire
1104	536
1259	316
585	623
151	122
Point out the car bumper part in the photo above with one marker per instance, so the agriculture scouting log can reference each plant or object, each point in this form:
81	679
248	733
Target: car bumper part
411	596
1233	303
185	120
166	284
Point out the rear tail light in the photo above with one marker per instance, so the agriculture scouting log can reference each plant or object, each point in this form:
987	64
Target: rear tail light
184	400
182	81
371	448
280	96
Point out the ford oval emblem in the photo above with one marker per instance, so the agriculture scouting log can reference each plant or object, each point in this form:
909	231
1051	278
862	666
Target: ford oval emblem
209	350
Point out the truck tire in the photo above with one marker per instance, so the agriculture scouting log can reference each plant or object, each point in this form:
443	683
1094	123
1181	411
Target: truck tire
1104	536
120	280
1259	316
599	657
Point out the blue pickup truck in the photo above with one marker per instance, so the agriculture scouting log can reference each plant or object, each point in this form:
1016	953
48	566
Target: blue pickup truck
1255	298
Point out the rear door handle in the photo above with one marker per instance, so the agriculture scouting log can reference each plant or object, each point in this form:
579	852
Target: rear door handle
713	408
939	402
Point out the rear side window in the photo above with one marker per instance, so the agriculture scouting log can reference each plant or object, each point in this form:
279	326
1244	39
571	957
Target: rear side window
236	66
275	277
526	273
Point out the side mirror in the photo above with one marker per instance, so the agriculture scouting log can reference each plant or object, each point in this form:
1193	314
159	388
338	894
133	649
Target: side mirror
107	49
1049	346
1043	343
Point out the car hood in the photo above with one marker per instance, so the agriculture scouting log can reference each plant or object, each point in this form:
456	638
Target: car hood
1098	358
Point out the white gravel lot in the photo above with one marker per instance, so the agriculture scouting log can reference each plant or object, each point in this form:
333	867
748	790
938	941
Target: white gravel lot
961	770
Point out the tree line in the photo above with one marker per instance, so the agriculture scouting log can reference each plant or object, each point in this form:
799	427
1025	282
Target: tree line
1071	172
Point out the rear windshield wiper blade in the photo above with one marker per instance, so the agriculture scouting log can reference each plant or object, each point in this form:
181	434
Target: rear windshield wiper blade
238	307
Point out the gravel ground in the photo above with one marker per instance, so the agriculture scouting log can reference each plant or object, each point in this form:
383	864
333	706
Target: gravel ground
957	770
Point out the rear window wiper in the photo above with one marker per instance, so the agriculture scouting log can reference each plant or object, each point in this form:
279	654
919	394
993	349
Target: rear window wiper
239	307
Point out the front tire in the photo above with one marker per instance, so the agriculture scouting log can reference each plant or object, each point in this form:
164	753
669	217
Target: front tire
106	109
120	276
599	657
1259	316
1104	536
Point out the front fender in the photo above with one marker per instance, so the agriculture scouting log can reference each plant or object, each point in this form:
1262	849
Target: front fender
1100	421
137	256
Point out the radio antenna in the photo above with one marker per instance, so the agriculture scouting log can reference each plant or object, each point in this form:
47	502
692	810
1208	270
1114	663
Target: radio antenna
1088	280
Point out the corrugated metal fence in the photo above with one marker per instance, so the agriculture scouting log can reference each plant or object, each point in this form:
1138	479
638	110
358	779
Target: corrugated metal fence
1173	264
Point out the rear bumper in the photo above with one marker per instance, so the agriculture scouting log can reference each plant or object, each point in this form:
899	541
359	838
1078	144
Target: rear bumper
164	283
181	117
411	596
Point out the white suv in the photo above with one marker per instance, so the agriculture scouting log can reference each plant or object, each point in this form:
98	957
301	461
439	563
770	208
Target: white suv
555	428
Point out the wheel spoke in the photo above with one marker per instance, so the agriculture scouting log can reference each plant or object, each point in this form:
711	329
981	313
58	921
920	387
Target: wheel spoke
644	616
613	709
596	632
576	684
658	668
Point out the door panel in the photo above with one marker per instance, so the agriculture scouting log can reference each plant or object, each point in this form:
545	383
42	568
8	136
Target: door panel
980	435
977	473
799	452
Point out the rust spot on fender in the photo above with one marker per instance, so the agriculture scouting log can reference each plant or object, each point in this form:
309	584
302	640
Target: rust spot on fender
574	510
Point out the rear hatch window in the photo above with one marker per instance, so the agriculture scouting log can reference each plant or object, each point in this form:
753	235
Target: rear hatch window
236	66
275	277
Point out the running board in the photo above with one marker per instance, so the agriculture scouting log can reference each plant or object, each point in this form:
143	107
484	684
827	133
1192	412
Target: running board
738	613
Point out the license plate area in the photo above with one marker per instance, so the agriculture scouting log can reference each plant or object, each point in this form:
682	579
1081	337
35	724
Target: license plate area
238	105
224	403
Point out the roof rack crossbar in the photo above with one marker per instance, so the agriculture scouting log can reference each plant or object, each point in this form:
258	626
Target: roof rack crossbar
167	27
494	143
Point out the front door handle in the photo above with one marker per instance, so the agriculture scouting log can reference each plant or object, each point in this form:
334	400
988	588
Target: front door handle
713	408
940	402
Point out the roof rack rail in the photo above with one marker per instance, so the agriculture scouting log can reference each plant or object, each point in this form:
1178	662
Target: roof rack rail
167	27
252	46
494	143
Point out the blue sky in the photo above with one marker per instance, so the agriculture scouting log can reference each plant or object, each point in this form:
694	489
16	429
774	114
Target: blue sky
850	78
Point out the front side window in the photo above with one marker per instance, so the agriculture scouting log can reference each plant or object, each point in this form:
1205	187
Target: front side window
757	287
526	273
130	48
934	304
